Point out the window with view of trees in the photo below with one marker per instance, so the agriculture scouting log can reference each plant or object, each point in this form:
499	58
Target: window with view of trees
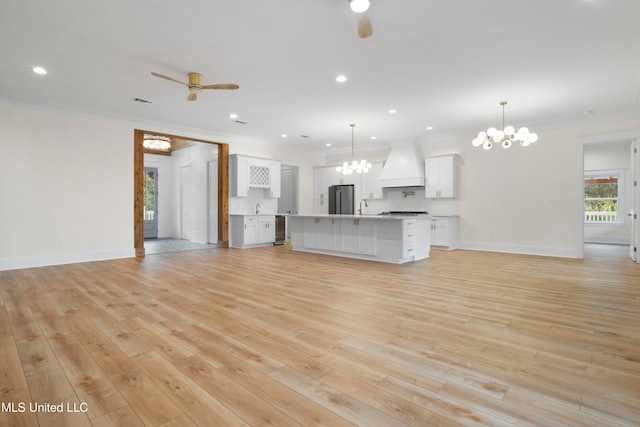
603	197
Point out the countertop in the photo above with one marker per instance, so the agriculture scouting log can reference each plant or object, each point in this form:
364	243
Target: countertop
363	216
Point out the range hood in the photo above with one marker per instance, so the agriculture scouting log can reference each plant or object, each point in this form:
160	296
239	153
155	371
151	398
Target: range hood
404	167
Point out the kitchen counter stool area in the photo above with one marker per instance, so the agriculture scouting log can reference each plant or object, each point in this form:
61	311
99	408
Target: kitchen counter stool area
392	239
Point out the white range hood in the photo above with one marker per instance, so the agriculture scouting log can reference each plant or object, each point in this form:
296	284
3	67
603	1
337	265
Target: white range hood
404	167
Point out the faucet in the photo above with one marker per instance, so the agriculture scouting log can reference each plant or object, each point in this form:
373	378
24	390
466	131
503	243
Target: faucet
257	208
365	205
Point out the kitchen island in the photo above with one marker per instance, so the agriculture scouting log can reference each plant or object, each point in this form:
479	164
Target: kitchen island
386	238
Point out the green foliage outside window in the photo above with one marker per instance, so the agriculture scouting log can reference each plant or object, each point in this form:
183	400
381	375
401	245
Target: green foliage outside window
149	191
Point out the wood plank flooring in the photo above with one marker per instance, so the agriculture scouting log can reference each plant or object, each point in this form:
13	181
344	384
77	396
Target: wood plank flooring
271	337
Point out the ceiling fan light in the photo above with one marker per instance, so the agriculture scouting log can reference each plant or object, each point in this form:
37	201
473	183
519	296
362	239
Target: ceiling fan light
359	6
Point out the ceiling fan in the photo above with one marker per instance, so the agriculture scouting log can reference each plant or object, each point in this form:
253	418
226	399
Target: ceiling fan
365	29
195	84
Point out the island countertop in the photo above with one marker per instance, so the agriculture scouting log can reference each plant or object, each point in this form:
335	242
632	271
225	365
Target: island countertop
386	238
360	216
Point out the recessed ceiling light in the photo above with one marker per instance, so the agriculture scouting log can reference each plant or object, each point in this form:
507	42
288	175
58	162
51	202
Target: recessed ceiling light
429	127
359	6
284	135
327	145
39	70
374	137
233	116
341	78
393	111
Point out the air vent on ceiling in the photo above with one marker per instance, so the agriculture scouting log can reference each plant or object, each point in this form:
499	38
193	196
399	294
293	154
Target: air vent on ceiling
142	101
240	122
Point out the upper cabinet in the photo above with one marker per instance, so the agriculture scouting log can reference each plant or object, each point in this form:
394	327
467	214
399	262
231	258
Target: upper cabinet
251	172
371	188
441	176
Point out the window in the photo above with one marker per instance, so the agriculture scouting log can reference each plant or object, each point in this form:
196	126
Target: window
603	197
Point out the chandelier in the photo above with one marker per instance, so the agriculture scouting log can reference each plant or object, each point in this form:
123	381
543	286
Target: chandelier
505	137
355	166
156	142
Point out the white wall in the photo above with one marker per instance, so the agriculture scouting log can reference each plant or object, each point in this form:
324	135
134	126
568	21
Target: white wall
66	183
526	200
66	187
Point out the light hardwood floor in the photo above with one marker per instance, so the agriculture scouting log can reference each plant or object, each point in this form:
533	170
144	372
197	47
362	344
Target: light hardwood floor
268	336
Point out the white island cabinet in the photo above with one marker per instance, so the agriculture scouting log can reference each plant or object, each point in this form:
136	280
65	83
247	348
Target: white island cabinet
394	239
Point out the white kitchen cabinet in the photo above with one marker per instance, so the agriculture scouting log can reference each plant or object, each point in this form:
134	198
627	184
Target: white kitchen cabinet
444	232
251	230
266	229
441	176
393	239
274	182
319	233
371	189
357	236
251	172
239	176
322	180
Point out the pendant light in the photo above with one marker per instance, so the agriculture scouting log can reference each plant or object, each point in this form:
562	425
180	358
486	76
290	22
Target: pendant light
506	137
359	167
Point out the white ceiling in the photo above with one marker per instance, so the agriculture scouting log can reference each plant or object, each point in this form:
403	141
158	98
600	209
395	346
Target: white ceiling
440	63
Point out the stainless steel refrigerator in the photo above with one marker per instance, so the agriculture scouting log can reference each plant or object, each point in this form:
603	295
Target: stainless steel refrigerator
341	199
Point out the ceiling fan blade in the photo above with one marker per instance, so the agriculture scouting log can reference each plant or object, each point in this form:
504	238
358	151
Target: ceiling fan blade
162	76
228	86
365	29
192	96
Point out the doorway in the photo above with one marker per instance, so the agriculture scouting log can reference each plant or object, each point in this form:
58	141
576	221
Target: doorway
139	178
610	162
150	203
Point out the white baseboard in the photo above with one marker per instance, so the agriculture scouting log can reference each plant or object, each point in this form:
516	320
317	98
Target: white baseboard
613	240
522	250
67	258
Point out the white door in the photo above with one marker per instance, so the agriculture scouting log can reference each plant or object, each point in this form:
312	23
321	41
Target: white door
635	202
150	206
